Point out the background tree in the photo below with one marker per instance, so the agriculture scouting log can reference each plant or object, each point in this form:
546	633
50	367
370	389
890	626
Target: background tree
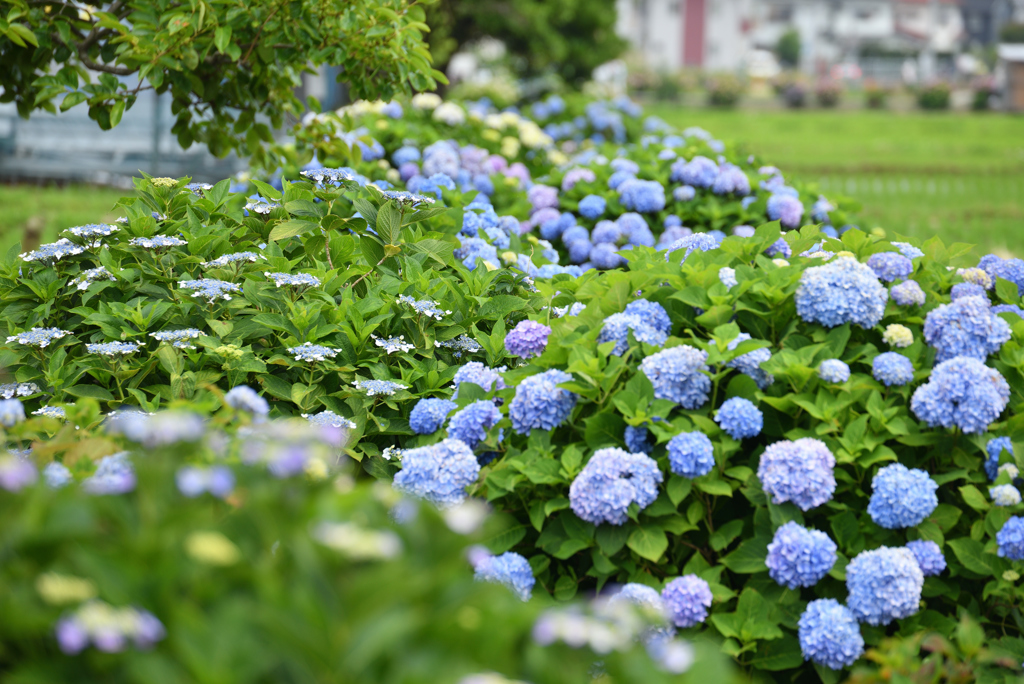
569	37
223	61
788	48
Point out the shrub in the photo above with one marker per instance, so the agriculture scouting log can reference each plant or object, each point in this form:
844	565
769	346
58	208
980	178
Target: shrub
934	96
828	93
724	90
876	96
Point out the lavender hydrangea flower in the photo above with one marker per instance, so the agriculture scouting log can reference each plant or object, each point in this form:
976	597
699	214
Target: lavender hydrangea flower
245	398
161	429
829	634
16	473
928	556
907	293
679	374
967	327
438	473
107	628
684	193
892	368
731	181
842	291
114	475
1004	495
687	600
478	374
834	370
883	585
800	471
995	448
528	339
510	569
799	557
89	276
429	414
641	596
739	418
50	412
750	363
540	404
56	475
901	497
691	454
611	481
470	425
193	481
961	392
426	307
637	440
785	209
606	257
890	266
779	248
1011	539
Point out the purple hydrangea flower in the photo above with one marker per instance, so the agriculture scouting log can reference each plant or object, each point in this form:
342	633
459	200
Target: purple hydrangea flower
687	600
528	339
785	209
800	471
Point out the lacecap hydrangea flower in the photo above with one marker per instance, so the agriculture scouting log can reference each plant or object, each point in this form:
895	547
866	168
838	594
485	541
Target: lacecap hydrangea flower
961	392
528	339
995	448
890	266
800	471
901	497
687	600
829	634
799	557
438	473
470	425
679	374
891	368
842	291
429	414
928	556
540	403
311	353
379	387
750	363
1011	539
966	327
883	585
210	288
38	337
510	569
611	481
907	293
739	418
834	370
1004	495
178	338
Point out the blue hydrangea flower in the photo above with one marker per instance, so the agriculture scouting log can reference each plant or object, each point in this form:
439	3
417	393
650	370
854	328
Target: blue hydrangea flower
473	249
470	425
478	374
646	197
578	175
829	634
750	363
606	231
429	414
883	585
799	557
901	497
592	206
539	402
438	473
890	266
800	471
961	290
908	250
311	353
12	412
114	475
161	429
611	481
779	248
113	349
739	418
217	480
995	448
56	475
687	600
892	368
731	181
425	307
727	276
700	172
648	320
293	279
842	291
641	596
53	252
786	209
605	256
1008	308
528	339
18	389
834	370
1008	269
1004	495
928	556
691	454
244	398
967	327
1011	539
637	440
698	241
907	293
679	374
635	229
963	392
510	569
178	338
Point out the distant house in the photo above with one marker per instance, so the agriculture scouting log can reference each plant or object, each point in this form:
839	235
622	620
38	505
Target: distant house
1010	75
720	34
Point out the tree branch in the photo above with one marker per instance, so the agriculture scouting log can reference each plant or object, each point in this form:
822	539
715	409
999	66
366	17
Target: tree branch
107	68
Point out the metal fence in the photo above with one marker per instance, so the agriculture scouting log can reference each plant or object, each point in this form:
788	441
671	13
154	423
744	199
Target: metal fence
71	147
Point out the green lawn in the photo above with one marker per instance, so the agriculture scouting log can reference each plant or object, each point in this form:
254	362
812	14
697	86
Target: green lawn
960	176
52	209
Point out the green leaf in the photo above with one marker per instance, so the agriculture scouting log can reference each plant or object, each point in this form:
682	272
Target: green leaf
266	191
116	112
1007	291
506	539
221	38
748	558
725	534
971	555
71	99
611	538
24	33
389	225
501	306
715	487
648	541
678	488
778	654
974	498
438	250
291	228
90	392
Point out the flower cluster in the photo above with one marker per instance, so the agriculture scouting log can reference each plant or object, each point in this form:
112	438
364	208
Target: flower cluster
829	634
53	252
884	584
928	556
218	480
687	600
438	473
648	321
901	497
799	557
528	339
426	307
379	387
293	279
210	288
611	481
691	454
540	404
799	471
311	353
679	374
962	392
470	425
113	349
892	369
967	327
108	629
842	291
38	337
739	418
157	242
510	569
178	338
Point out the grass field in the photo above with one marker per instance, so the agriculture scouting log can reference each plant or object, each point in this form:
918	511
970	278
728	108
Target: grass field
52	209
959	176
